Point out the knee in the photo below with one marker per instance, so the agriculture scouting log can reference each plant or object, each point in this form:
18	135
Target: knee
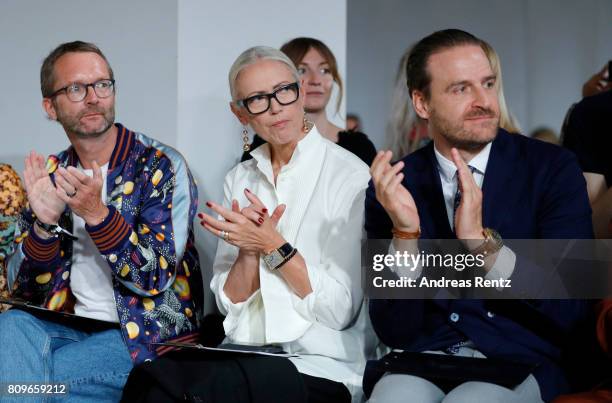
393	388
480	392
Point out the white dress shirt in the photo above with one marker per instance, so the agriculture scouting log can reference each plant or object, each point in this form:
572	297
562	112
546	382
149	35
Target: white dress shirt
323	187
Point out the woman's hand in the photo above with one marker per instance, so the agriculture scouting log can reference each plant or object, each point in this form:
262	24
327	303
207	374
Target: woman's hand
250	229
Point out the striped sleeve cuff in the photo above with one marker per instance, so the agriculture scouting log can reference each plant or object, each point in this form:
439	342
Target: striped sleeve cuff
110	233
40	250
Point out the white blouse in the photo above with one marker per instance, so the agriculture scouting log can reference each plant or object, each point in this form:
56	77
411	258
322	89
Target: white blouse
323	187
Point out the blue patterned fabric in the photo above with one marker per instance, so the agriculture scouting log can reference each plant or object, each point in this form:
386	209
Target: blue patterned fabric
147	240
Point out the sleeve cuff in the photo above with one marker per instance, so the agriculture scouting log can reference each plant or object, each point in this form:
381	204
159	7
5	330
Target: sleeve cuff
503	266
111	233
412	272
40	250
234	311
306	306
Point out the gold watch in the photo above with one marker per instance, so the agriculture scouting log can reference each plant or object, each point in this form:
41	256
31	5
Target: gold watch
493	242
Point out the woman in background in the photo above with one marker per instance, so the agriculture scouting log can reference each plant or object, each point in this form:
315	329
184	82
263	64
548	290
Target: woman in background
406	131
318	68
506	120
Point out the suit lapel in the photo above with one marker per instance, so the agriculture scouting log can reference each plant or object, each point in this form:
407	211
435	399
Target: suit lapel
497	189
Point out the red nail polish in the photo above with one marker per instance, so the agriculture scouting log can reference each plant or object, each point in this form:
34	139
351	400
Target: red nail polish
265	210
209	204
260	220
247	190
202	223
200	215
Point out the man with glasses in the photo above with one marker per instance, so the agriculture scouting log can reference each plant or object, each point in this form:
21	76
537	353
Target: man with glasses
108	236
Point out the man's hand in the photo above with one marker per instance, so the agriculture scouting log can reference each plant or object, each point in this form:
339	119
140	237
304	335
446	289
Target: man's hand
392	195
41	192
468	217
82	193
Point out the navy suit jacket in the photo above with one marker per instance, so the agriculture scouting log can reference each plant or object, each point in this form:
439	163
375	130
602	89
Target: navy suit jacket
531	190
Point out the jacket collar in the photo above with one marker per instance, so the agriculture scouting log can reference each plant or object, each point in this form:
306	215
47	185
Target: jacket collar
497	190
123	144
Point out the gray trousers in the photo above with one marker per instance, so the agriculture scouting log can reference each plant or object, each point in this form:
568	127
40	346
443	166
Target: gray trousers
397	388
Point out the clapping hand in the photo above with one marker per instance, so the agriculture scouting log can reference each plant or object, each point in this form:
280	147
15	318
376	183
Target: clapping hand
251	229
468	217
42	194
82	193
391	193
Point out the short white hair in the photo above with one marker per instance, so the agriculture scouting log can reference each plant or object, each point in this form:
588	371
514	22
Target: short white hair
253	55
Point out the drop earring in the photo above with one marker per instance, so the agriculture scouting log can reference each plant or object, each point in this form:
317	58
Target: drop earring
307	124
245	140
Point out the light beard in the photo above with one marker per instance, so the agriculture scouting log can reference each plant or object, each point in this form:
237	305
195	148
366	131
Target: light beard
460	137
73	124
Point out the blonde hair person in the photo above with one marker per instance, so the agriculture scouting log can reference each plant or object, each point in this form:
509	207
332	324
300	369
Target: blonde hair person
407	132
506	120
287	269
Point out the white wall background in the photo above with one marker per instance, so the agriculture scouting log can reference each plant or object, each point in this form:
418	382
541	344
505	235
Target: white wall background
548	48
211	36
139	39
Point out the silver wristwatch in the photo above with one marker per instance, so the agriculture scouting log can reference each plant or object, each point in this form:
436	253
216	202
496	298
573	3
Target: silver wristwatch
278	257
54	230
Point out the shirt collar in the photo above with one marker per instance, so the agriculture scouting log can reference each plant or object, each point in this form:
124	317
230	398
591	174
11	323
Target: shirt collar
305	146
448	169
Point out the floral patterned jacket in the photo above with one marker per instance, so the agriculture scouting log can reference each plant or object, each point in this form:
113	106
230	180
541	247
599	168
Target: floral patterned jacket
12	201
147	240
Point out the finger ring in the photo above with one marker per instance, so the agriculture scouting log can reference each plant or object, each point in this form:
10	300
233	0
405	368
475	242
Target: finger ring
224	235
71	194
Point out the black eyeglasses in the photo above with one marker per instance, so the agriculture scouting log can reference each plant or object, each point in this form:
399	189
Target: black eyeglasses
76	92
260	103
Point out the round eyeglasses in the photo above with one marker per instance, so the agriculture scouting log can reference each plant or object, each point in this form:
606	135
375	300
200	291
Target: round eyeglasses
76	92
260	103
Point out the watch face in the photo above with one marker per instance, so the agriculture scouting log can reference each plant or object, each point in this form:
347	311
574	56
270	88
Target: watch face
494	235
273	259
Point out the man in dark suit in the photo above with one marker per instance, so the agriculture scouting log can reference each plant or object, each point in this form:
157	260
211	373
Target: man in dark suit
479	184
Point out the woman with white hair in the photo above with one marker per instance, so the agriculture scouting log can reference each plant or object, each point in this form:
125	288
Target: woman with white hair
287	268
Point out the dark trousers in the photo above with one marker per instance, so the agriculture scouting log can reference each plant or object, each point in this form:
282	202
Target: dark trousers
213	377
321	390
